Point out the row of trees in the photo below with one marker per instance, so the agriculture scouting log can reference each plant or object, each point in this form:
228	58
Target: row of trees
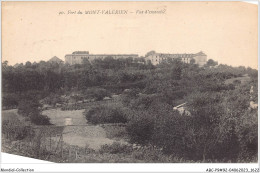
51	76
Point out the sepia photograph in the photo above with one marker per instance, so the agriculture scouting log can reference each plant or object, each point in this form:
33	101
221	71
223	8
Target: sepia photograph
130	82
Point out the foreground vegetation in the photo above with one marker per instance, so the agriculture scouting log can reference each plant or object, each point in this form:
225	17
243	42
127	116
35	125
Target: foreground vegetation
221	127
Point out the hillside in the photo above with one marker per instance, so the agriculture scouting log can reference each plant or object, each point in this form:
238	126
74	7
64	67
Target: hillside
214	120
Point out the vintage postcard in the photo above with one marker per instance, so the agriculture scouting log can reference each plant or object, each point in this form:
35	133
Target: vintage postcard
130	82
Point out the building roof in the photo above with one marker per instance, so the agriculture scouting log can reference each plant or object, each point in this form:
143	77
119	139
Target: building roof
80	52
114	54
201	53
181	105
104	54
177	55
55	59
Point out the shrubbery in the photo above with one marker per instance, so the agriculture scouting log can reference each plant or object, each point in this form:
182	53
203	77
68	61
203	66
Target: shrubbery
116	148
31	109
39	119
216	130
221	126
150	154
96	93
10	101
102	114
14	129
28	106
140	129
142	102
52	99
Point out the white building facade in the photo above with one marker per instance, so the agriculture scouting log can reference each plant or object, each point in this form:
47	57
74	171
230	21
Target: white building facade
200	58
78	56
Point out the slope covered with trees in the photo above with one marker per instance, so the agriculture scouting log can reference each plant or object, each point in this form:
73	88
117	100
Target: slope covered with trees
221	126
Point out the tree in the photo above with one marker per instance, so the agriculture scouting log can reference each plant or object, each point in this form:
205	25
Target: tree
129	61
140	129
170	134
104	114
96	93
176	70
192	61
213	127
150	53
211	62
52	81
109	62
28	64
10	100
29	107
86	63
5	64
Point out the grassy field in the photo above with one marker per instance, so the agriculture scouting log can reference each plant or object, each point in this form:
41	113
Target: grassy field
57	116
80	133
82	142
12	115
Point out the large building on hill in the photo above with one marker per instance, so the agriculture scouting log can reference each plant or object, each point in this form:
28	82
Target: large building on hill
78	56
156	58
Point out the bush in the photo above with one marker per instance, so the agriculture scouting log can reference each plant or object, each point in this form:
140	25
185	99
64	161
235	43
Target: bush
97	93
237	82
26	106
115	148
10	101
52	99
39	119
14	129
99	115
128	95
142	102
171	133
75	106
211	62
140	129
115	131
148	154
30	108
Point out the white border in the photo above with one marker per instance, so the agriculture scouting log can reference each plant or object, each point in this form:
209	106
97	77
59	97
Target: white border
18	163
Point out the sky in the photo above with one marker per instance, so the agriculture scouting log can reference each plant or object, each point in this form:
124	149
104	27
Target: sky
225	31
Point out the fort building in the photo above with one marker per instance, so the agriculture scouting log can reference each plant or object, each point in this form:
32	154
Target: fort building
200	58
78	56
